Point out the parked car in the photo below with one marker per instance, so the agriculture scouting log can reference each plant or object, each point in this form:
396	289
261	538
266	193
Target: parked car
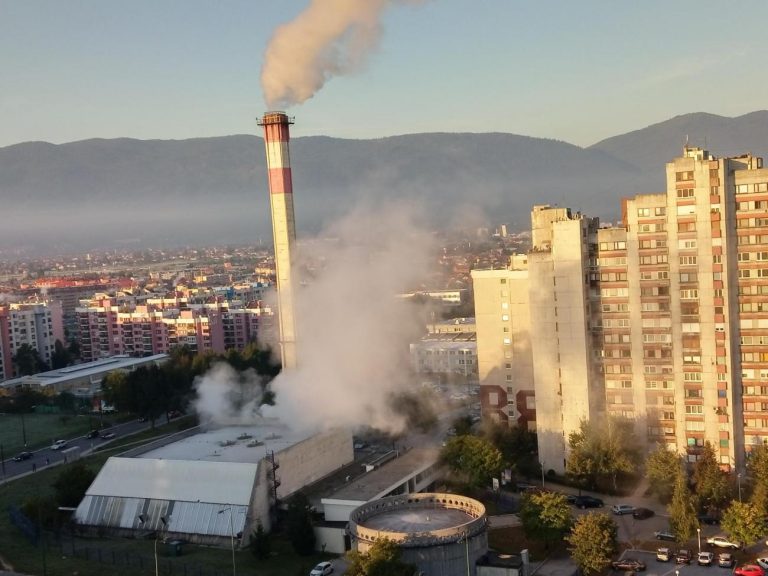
588	502
706	519
107	435
58	445
92	434
22	456
664	535
621	509
725	560
664	554
683	557
525	487
749	570
322	569
723	542
628	564
762	562
642	513
705	558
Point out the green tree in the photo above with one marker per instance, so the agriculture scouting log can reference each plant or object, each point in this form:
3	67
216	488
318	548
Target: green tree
71	484
298	521
382	559
60	357
661	465
682	509
743	522
758	470
592	542
518	446
710	482
545	516
27	361
603	450
474	458
261	546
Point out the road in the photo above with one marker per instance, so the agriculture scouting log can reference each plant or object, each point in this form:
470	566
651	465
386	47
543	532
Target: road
44	457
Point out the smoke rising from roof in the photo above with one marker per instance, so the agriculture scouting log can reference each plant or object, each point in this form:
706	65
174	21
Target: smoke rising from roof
353	332
329	38
228	397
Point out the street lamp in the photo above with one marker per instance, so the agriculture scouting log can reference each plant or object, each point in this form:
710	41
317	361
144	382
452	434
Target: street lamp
142	519
698	537
232	535
738	480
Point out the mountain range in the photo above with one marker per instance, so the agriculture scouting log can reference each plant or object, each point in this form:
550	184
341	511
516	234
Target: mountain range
126	192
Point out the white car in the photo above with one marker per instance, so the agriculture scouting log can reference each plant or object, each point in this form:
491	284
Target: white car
723	542
762	562
705	558
620	509
322	569
58	445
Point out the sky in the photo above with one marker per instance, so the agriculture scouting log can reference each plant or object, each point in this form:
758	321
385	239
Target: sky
574	71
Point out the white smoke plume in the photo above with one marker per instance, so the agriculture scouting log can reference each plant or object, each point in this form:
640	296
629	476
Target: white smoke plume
329	38
353	331
226	397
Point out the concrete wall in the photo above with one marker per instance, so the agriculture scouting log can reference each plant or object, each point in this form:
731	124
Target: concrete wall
313	459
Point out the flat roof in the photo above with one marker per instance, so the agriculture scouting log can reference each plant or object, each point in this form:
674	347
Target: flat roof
232	443
85	369
379	482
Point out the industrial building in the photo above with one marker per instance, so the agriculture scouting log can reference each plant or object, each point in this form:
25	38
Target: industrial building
207	487
82	380
442	534
660	320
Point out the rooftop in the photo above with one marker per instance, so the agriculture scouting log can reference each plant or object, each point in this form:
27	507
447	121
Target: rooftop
380	481
232	443
122	362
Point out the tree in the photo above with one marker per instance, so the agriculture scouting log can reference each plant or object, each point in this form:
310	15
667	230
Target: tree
27	361
476	459
661	465
743	522
682	510
60	357
603	450
382	559
758	469
298	522
592	542
710	482
261	546
545	516
71	484
518	446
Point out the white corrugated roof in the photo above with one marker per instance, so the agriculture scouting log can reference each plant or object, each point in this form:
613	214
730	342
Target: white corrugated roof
179	480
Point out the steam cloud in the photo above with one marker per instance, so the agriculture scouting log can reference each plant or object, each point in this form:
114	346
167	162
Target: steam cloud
353	332
226	397
329	38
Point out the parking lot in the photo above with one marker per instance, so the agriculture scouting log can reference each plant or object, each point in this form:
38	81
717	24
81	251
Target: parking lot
656	568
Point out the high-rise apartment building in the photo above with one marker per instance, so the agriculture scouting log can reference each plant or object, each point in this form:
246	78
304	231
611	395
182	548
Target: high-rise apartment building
505	364
663	320
37	324
110	326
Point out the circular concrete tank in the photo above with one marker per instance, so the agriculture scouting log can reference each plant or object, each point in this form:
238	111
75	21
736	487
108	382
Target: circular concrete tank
442	534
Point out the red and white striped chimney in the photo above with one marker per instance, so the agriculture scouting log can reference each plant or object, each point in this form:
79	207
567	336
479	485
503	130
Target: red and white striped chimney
276	137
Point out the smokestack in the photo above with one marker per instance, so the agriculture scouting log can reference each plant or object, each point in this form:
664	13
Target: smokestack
276	137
